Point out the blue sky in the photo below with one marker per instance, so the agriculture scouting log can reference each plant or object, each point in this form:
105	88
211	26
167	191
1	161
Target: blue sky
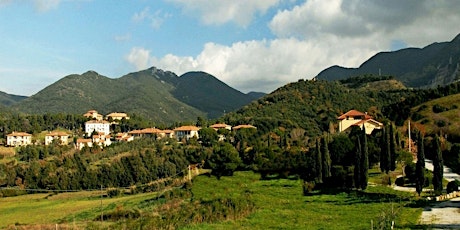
252	45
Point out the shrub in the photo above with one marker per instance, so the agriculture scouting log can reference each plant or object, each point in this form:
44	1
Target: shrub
113	192
452	186
308	187
399	181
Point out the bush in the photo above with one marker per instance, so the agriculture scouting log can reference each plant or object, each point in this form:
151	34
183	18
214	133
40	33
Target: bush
452	186
113	192
308	187
399	181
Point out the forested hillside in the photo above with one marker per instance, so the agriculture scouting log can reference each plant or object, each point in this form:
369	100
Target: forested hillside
158	95
315	105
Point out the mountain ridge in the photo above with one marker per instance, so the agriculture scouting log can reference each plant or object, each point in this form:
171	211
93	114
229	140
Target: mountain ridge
159	95
430	66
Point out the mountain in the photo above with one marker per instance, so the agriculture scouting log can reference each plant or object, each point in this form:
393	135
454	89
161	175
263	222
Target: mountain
433	65
206	93
10	99
159	95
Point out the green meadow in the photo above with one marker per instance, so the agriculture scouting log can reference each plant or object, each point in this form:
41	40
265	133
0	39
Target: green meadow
278	204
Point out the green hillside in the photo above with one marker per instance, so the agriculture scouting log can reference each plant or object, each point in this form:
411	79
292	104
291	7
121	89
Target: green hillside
10	99
433	65
315	105
212	95
439	115
159	95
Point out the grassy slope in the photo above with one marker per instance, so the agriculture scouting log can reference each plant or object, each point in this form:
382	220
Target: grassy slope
279	205
450	117
65	207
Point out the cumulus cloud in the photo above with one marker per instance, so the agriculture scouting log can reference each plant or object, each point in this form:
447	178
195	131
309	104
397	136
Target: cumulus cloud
139	57
240	12
313	36
390	19
156	18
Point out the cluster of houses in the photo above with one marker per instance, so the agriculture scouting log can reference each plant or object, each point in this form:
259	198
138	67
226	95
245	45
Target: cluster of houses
97	132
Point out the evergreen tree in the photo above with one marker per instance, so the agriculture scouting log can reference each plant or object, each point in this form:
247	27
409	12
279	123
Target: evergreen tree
358	162
392	148
420	165
437	166
385	151
364	161
318	163
326	158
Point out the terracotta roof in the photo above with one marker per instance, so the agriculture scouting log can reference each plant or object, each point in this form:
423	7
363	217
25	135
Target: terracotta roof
60	134
117	114
18	134
151	130
354	113
137	131
219	126
167	131
244	127
97	122
187	128
80	140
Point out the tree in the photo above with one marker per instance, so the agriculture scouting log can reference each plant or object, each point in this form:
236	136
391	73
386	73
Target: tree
437	166
385	152
364	161
326	159
224	160
318	163
358	162
392	148
420	165
208	136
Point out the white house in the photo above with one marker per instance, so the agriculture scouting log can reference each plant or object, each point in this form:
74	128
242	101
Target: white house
186	132
81	143
18	139
360	119
62	137
98	126
93	114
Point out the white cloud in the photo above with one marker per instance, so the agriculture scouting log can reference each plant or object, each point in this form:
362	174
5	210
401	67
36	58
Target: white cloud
312	36
139	57
45	5
391	20
219	12
156	19
123	38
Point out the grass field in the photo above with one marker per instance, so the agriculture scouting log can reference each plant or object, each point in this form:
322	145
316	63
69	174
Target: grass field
279	204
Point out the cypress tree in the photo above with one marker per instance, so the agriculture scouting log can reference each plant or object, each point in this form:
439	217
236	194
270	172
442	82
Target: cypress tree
420	165
319	163
326	158
437	166
364	161
392	148
385	151
358	162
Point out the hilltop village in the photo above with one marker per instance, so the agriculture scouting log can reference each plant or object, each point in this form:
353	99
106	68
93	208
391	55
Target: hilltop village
98	131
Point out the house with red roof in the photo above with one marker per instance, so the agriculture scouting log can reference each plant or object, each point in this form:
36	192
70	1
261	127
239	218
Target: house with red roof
18	139
186	132
360	119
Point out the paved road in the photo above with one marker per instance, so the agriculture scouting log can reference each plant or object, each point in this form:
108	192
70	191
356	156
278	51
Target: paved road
443	215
